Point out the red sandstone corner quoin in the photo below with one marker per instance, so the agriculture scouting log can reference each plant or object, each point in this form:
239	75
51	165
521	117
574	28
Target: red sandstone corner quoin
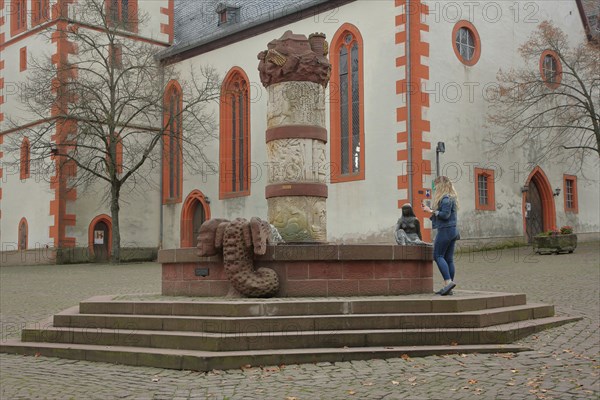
310	270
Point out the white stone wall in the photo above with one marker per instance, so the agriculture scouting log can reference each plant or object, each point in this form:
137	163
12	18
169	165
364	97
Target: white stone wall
31	198
458	112
356	210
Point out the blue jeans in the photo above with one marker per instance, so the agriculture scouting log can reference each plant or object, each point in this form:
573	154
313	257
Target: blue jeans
443	251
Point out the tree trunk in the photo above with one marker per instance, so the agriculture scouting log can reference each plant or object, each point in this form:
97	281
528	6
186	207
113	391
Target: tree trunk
116	232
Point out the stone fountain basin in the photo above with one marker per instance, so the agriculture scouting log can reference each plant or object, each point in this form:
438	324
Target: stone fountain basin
309	270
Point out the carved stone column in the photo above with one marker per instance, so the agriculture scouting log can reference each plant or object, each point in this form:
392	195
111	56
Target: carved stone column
295	71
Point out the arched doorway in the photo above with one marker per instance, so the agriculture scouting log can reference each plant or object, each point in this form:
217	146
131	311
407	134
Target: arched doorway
23	233
195	211
539	213
100	238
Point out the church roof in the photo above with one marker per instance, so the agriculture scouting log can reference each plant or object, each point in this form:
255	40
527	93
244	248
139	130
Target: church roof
198	22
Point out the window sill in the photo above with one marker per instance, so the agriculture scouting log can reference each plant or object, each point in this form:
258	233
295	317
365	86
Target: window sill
171	201
347	178
233	195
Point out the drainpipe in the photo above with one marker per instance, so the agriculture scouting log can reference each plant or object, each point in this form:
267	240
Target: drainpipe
409	143
160	174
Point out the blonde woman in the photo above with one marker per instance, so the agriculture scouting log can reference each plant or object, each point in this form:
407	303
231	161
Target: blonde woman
443	218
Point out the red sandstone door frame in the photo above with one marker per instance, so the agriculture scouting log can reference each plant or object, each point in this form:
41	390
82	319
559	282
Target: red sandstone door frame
107	239
195	199
539	178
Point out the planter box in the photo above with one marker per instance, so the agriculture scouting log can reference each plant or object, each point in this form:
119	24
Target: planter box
555	244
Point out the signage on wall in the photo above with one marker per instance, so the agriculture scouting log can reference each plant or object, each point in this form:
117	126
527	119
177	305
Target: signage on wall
98	237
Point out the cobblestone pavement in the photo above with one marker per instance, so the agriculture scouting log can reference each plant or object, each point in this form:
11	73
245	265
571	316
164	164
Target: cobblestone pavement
564	363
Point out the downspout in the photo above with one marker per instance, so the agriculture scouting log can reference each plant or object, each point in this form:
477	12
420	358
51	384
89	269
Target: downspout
160	174
409	142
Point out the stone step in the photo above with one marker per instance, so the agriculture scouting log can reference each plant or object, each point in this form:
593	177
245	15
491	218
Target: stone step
208	361
243	341
470	319
461	302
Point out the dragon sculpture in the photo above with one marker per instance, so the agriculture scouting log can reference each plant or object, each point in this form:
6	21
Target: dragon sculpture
239	240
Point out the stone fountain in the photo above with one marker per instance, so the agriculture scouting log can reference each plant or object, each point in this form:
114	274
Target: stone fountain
295	71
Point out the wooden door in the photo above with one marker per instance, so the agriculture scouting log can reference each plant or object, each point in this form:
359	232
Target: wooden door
198	220
22	236
535	223
101	238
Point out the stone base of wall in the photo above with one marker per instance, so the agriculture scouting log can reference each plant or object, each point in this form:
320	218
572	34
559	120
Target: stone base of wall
40	256
309	270
75	255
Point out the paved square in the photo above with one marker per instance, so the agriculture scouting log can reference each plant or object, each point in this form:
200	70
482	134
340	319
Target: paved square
565	363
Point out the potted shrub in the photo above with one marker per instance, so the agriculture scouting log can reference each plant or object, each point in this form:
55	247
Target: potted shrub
555	241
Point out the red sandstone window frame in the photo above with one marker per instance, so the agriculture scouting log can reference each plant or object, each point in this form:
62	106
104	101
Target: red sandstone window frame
570	194
25	160
23	59
476	39
236	85
172	170
558	73
490	195
337	42
40	11
20	245
115	14
18	17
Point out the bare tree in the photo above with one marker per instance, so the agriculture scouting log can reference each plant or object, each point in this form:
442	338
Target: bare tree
100	111
558	108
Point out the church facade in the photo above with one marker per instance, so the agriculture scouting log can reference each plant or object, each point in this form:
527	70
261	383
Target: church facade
409	86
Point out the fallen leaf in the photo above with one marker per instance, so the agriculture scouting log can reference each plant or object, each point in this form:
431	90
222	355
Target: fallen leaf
510	384
155	379
472	381
514	371
507	355
453	344
367	384
395	383
351	392
405	357
412	379
291	398
38	354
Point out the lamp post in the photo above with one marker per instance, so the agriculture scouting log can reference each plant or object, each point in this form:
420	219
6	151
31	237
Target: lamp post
440	148
525	190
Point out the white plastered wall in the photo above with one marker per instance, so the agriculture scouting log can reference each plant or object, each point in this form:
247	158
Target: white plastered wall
29	198
139	198
458	113
363	210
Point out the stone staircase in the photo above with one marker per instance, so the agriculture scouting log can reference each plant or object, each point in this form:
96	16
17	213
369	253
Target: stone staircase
206	334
